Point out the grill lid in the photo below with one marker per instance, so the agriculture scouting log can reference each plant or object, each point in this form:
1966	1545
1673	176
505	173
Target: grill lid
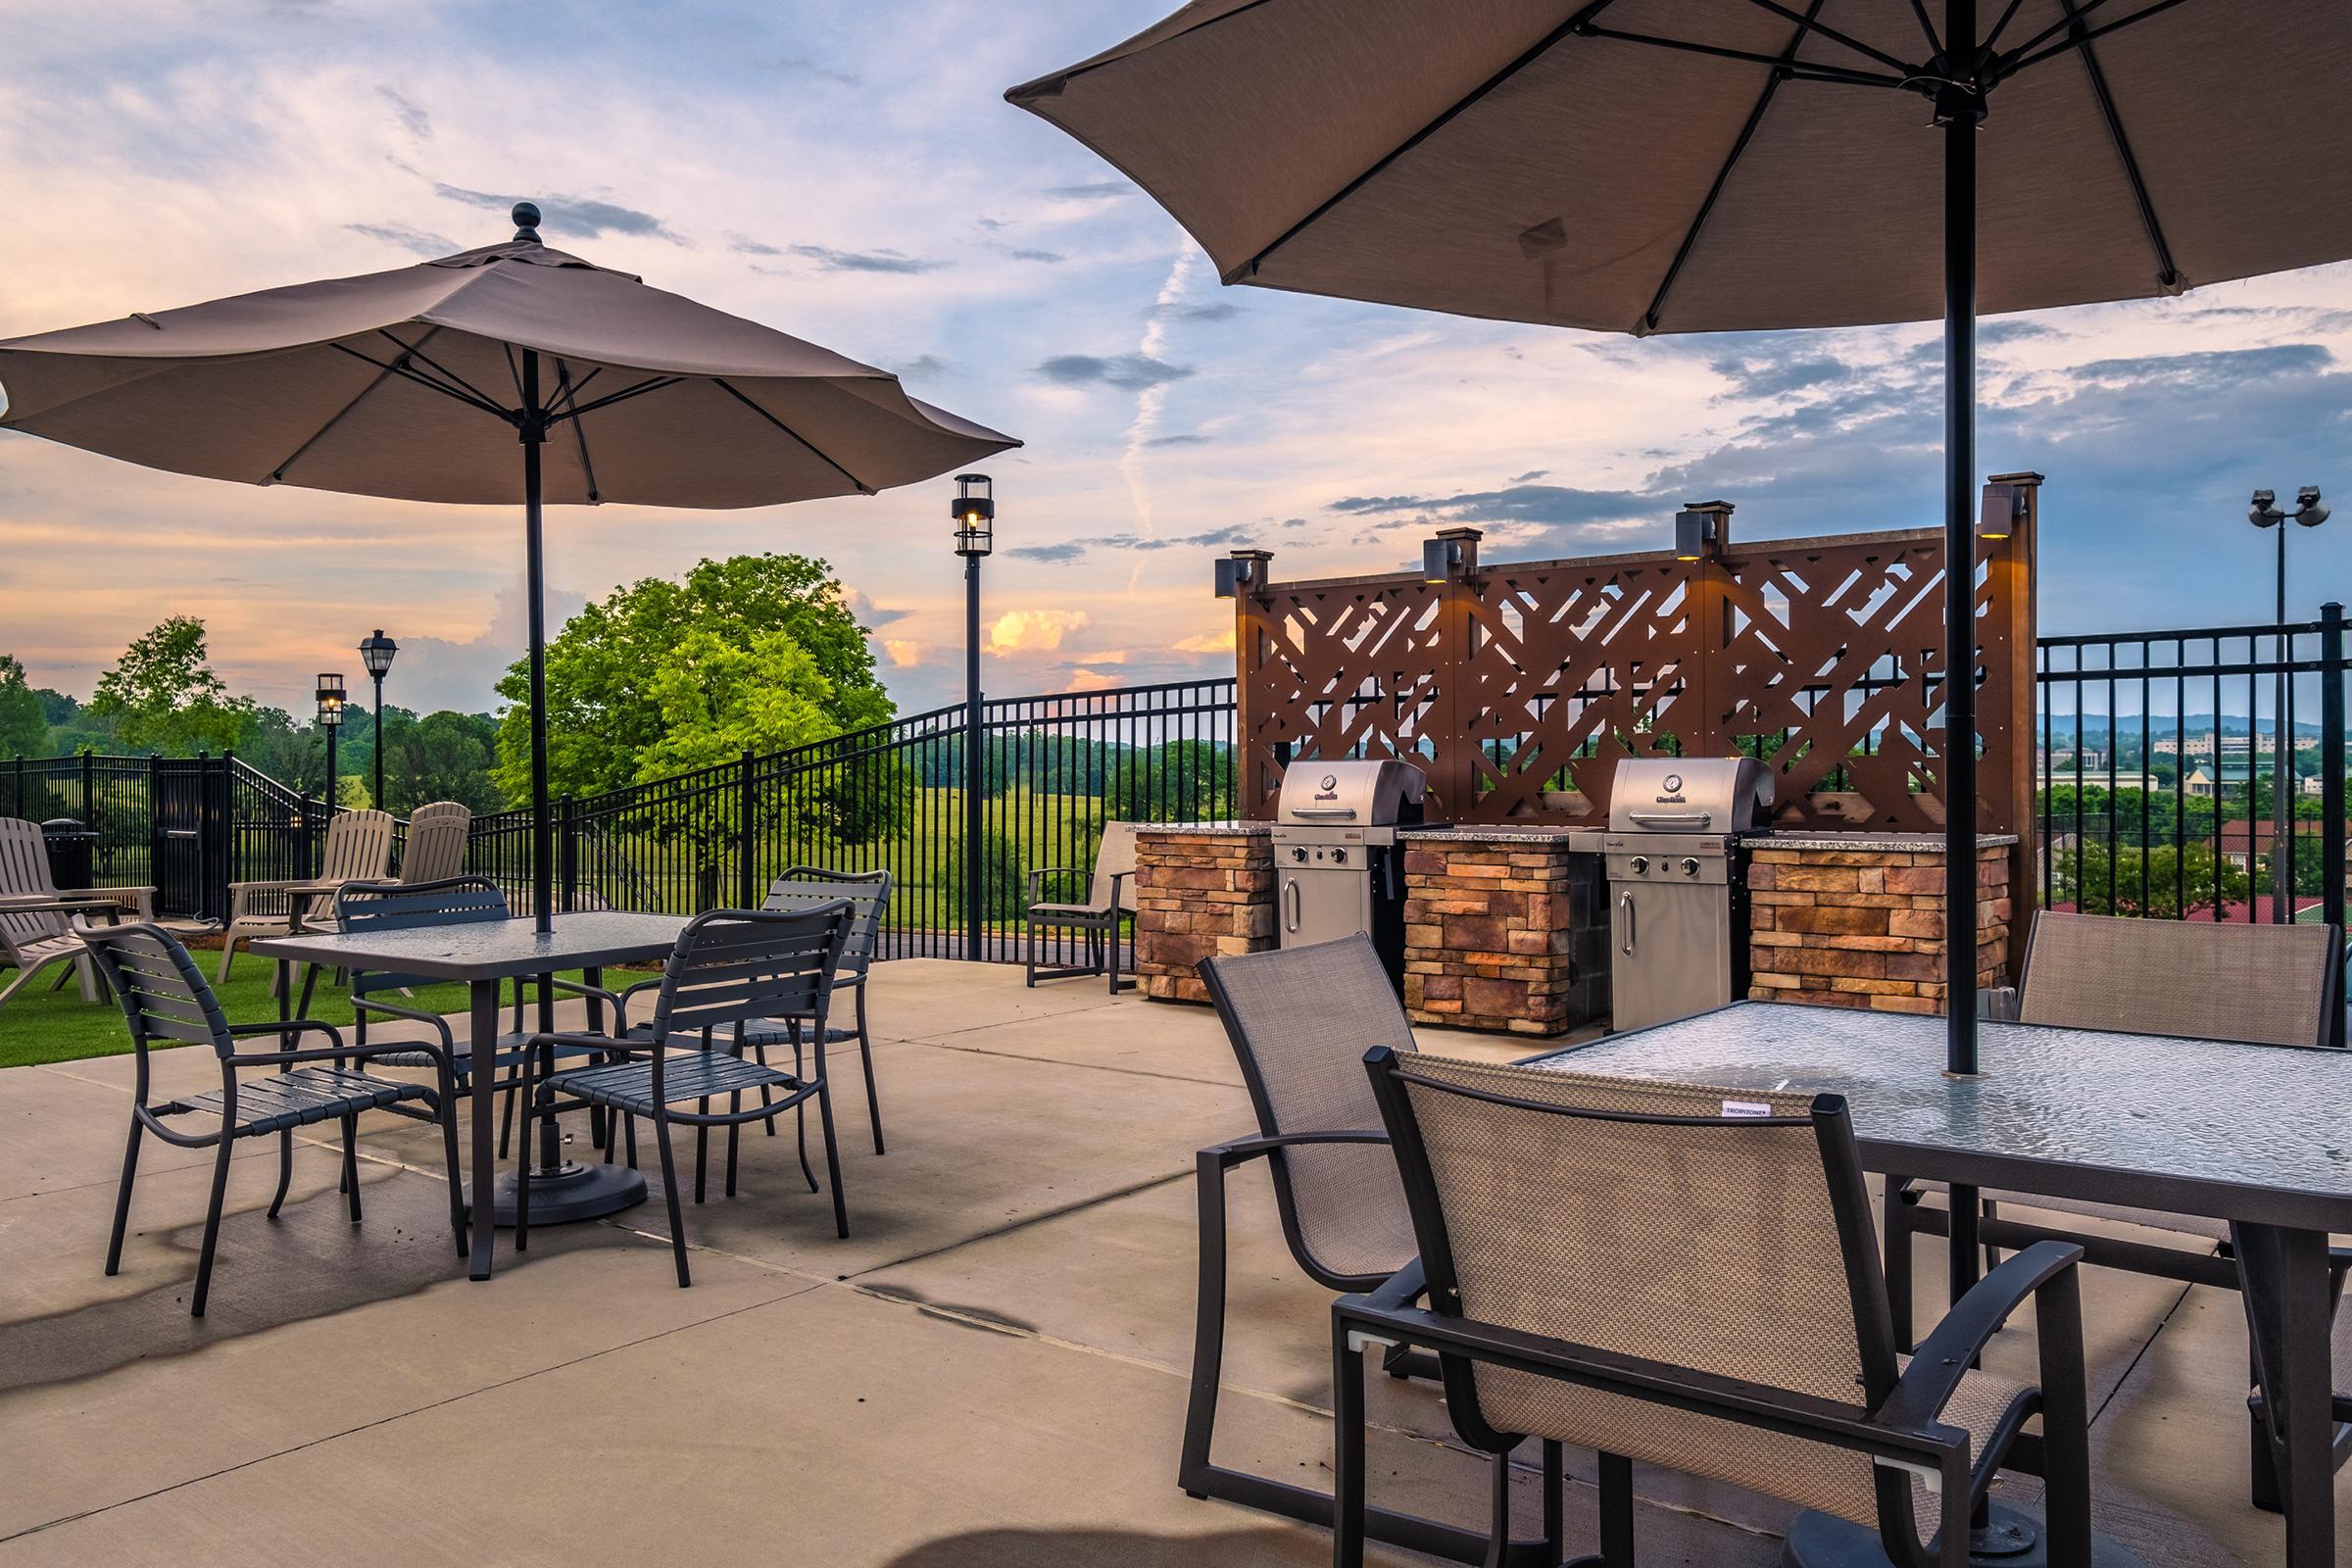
1689	795
1367	793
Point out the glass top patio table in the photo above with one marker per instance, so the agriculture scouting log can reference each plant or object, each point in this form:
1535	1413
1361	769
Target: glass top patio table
2259	1134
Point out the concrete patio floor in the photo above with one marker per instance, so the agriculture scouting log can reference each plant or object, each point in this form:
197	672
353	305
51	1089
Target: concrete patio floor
990	1371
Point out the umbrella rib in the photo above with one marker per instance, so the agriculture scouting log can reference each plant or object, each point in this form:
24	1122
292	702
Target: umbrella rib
2168	275
652	383
1992	39
383	372
728	388
1723	175
2016	65
1528	57
1804	70
418	352
1806	24
565	392
400	366
1919	8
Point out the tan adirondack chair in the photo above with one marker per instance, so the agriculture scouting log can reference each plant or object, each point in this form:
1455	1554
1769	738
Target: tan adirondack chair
435	851
358	848
32	940
25	873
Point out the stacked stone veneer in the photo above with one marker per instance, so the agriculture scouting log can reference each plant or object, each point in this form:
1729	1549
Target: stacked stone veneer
1504	933
1863	925
1197	893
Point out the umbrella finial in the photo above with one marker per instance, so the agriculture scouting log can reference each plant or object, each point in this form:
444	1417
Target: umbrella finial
527	222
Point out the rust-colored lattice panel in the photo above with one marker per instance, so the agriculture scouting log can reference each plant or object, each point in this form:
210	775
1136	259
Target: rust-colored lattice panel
1521	687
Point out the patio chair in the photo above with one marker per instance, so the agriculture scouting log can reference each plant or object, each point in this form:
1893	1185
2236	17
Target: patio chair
32	940
1299	1020
1686	1276
806	887
364	906
358	848
1109	897
731	969
165	997
436	849
2263	984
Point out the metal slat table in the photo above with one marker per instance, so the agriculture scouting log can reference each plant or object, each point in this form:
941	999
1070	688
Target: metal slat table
484	956
2260	1136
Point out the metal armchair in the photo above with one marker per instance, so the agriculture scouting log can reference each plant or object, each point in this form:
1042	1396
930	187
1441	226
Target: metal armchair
1109	899
730	969
165	997
1699	1290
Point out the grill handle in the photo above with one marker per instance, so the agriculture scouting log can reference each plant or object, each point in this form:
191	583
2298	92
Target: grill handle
1346	813
1672	821
1624	923
1290	899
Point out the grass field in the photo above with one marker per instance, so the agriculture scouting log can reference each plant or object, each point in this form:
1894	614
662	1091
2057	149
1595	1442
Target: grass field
43	1025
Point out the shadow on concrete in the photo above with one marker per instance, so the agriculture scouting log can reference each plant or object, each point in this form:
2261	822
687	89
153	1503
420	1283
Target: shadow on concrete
1115	1548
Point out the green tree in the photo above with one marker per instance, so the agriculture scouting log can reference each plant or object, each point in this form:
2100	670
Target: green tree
606	687
163	695
720	698
442	756
23	732
2086	872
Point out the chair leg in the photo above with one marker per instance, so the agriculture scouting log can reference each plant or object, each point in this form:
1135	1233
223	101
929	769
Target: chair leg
800	1112
1209	1332
212	1228
759	1054
701	1149
522	1167
505	1121
1616	1511
2261	1489
351	1163
285	1171
670	1190
1347	1453
449	1156
824	1115
83	970
1992	1253
734	1138
130	1169
1556	1504
228	951
2065	1419
1895	1235
865	1057
1498	1497
628	1130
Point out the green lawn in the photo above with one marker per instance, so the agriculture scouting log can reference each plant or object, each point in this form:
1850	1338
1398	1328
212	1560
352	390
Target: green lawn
43	1025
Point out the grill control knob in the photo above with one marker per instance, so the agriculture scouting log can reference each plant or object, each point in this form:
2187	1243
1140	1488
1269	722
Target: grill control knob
1641	865
1298	853
1689	867
1339	856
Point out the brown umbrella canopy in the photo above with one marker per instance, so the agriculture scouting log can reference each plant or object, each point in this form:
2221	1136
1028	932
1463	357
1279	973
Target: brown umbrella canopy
1536	161
404	385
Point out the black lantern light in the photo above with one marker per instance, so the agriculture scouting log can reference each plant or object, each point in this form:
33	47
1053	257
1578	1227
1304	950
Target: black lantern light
331	719
975	514
377	653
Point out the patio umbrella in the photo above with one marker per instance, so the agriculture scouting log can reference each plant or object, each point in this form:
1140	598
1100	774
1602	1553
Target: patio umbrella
1701	166
509	374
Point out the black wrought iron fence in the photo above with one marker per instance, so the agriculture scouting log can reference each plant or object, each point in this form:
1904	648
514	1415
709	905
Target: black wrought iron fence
1051	772
2194	774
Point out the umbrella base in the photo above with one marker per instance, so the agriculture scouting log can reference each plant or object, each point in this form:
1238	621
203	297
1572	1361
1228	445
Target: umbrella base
2012	1537
571	1193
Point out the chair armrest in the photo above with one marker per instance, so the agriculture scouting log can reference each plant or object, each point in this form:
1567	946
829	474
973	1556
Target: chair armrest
300	883
1998	1003
414	1015
1240	1150
580	988
1945	1355
290	1026
337	1053
619	1048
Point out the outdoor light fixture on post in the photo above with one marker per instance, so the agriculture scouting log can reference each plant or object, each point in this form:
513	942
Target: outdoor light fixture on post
975	511
1242	572
377	652
1451	556
1701	530
331	719
2263	513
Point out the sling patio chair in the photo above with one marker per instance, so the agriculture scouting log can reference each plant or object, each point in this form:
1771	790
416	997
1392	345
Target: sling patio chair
165	998
2262	984
731	969
1109	900
1299	1020
805	887
358	848
1686	1276
364	906
35	933
435	847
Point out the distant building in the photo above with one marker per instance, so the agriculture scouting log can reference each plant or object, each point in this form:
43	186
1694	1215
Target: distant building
2198	784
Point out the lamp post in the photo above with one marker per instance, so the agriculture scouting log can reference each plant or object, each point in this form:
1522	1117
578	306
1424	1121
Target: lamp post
331	719
2263	513
377	653
975	511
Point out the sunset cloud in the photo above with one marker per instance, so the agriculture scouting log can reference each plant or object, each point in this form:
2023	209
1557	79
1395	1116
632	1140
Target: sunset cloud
1033	631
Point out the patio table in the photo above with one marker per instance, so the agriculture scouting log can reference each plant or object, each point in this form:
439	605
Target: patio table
484	955
2260	1136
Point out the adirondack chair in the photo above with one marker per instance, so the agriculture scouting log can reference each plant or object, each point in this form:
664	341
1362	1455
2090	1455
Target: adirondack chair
358	848
25	873
436	848
32	940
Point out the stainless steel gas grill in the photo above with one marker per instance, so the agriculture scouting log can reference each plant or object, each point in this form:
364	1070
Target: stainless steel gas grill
1677	888
1337	866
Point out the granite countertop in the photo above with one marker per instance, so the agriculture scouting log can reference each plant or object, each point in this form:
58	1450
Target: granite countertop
1900	842
1208	830
1498	832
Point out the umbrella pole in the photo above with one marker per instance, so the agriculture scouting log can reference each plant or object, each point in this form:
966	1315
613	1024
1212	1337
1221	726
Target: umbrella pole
534	436
1960	556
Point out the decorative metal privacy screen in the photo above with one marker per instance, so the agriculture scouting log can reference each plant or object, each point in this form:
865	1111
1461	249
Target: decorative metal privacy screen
1519	685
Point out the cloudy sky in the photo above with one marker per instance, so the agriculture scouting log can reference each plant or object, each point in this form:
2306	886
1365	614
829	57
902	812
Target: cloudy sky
846	171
